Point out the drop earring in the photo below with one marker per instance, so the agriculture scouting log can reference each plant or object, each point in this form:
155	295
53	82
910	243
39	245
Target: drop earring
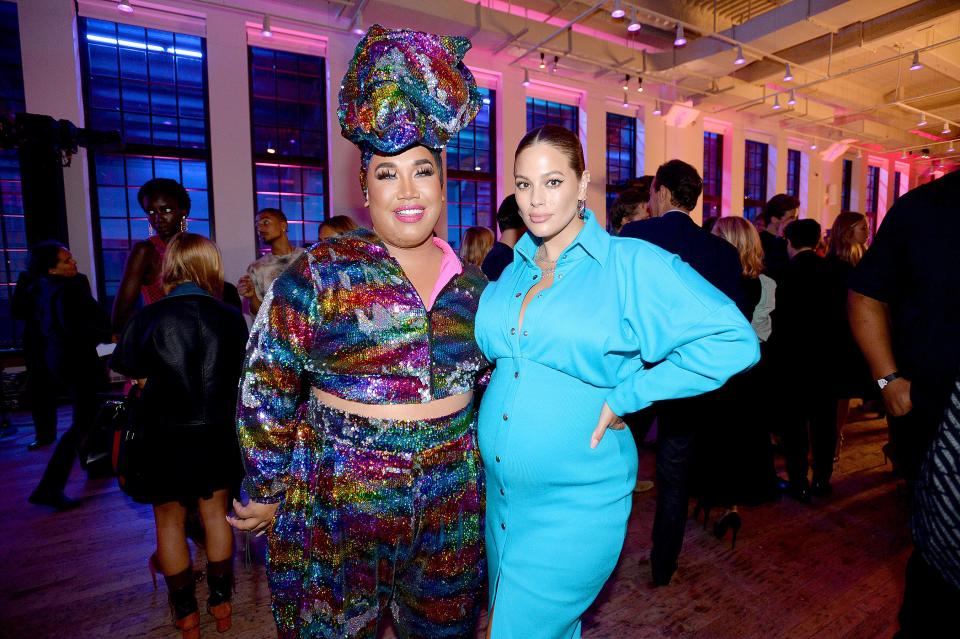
581	209
149	229
183	225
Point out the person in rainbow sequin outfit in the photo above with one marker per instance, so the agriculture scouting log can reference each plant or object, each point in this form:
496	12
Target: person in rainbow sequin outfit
356	414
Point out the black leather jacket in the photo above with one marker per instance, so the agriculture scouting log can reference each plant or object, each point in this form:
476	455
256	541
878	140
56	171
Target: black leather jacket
190	347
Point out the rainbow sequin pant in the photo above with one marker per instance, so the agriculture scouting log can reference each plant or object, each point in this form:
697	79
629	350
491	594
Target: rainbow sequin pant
379	513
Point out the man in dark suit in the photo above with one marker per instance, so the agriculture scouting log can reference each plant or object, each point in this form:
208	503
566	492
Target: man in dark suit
803	292
779	211
673	194
512	229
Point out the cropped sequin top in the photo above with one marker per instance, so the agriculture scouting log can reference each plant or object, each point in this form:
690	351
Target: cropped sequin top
345	319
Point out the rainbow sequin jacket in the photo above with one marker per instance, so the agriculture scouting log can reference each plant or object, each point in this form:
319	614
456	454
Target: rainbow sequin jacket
345	319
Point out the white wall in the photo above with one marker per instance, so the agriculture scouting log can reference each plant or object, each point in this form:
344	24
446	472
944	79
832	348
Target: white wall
52	82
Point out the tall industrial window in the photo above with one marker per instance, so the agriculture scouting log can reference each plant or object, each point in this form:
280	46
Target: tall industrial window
873	188
897	176
873	196
540	112
712	175
847	185
754	179
793	173
621	153
288	117
151	86
472	173
13	236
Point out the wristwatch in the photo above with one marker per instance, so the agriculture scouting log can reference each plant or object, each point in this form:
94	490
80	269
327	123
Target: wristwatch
883	381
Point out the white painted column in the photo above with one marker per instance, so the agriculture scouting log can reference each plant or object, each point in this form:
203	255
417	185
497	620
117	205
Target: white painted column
595	152
230	146
782	152
655	141
51	82
343	179
738	141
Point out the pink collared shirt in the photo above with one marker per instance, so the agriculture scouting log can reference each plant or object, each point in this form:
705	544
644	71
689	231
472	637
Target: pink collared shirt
450	267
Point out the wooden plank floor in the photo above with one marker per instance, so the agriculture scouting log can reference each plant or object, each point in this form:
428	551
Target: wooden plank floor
833	570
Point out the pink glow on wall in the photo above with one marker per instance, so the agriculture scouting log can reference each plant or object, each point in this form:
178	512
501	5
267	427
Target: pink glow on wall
549	91
529	14
924	134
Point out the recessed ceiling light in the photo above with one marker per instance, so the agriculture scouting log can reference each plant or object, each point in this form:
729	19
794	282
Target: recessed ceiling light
124	5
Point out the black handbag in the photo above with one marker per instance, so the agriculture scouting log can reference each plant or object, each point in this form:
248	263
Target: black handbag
129	442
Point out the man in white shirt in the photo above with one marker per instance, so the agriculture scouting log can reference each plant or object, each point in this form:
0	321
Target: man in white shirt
272	229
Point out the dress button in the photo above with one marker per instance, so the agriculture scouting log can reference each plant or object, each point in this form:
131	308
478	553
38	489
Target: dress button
516	374
501	491
560	276
503	526
497	458
525	333
534	277
505	417
513	331
517	295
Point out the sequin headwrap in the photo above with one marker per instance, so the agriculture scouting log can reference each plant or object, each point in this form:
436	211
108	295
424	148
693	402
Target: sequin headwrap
405	88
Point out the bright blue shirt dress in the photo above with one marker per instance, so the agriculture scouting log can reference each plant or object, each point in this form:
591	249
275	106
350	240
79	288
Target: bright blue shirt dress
624	323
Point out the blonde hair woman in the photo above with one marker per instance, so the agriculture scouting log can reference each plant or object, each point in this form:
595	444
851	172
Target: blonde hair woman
735	464
852	378
477	242
187	351
848	237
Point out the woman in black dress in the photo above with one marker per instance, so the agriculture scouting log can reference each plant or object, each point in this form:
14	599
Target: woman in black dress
851	375
186	351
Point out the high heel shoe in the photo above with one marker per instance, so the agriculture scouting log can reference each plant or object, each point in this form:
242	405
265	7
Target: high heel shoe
706	507
731	520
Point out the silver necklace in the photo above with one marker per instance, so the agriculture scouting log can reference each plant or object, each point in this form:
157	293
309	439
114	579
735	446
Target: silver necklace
547	267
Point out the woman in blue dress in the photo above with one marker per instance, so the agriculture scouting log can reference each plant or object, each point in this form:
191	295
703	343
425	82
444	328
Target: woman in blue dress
583	328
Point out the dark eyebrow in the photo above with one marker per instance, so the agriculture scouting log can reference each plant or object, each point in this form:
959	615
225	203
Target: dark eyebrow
386	165
424	161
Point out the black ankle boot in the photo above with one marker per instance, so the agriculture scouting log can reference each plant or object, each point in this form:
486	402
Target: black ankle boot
181	591
220	583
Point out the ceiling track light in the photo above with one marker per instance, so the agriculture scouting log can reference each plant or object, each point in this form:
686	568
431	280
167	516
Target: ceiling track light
626	82
125	6
787	73
859	154
543	65
946	128
793	98
776	103
626	102
618	11
680	40
265	30
556	64
639	85
915	65
657	110
739	59
923	120
903	154
526	78
813	145
634	25
950	148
